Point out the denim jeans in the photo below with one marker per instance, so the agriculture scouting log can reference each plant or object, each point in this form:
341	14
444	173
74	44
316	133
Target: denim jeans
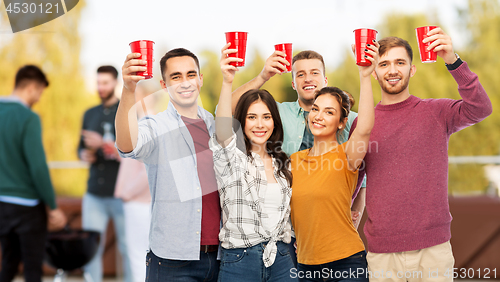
246	264
167	270
352	268
293	250
96	213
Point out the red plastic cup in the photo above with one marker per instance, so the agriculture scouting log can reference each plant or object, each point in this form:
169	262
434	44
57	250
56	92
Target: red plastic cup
238	40
287	48
145	47
426	56
363	36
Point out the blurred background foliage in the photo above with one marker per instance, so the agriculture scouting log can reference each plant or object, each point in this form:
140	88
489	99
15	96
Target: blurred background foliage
64	102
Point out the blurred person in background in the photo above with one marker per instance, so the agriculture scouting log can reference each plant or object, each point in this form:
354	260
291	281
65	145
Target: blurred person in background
132	187
96	147
27	199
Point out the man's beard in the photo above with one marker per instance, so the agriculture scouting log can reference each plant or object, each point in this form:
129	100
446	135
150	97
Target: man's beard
394	90
107	97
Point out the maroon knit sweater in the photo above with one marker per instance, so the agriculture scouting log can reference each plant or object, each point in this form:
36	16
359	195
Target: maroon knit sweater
407	166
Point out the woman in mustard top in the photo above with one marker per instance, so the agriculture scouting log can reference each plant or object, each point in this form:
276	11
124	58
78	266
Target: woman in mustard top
324	179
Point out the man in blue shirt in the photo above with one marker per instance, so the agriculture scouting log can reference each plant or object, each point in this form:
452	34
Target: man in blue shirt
308	73
185	218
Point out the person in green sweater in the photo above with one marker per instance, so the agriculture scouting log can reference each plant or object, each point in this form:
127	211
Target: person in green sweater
27	199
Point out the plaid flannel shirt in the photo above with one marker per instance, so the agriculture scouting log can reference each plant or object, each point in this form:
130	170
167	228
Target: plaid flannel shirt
242	187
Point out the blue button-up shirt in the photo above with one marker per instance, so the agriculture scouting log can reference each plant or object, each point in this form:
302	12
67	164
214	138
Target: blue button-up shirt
165	145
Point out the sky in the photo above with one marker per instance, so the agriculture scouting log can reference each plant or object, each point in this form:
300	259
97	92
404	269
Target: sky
107	27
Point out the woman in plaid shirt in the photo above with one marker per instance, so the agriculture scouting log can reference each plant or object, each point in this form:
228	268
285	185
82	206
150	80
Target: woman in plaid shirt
254	184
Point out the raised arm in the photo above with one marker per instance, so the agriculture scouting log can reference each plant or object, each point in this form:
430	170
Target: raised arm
223	118
475	104
276	63
357	145
126	115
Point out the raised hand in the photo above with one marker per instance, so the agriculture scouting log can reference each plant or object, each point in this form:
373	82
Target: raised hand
228	71
372	49
130	67
275	64
441	44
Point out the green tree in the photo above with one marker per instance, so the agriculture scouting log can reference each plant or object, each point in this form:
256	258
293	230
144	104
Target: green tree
212	80
482	22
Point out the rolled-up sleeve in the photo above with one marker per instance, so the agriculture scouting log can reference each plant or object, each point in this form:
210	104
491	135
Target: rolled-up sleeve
226	161
147	137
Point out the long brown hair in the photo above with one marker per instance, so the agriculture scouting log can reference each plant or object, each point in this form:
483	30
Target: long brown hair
275	141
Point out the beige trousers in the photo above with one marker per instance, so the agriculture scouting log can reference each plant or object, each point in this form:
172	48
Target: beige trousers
433	264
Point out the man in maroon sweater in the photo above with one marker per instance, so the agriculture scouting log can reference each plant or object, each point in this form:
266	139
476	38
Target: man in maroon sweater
408	226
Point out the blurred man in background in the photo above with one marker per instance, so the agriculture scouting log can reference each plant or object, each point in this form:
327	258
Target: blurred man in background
96	147
26	192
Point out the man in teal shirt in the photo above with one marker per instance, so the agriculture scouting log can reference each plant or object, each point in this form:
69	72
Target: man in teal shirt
26	192
308	73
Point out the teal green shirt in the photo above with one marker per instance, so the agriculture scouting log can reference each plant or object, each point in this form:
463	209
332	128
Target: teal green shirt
292	117
24	172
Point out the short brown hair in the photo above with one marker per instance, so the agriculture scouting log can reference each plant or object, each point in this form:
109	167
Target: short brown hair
28	74
108	69
178	52
309	55
388	43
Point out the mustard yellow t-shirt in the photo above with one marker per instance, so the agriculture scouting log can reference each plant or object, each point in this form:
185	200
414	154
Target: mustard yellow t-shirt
321	207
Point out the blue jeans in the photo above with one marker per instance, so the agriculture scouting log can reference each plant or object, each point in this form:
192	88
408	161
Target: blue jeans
247	265
293	253
352	268
159	269
96	213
